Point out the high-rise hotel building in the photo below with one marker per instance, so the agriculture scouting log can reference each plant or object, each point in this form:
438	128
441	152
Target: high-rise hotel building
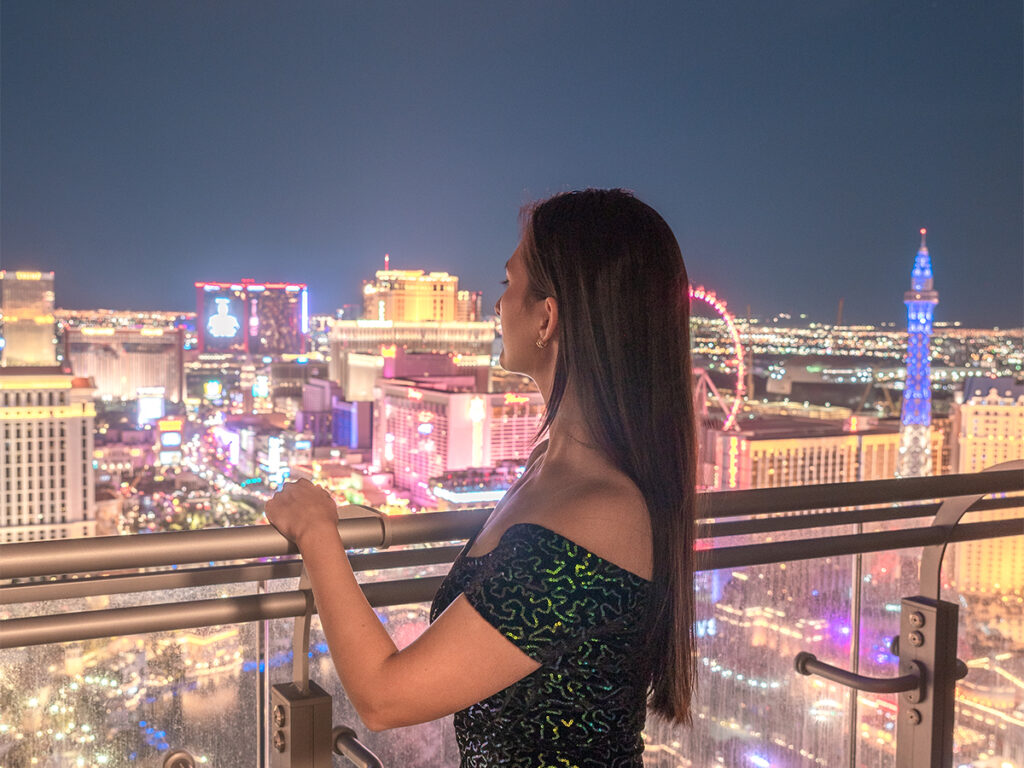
46	476
781	451
425	428
988	424
26	304
415	296
47	417
407	312
411	295
121	361
988	429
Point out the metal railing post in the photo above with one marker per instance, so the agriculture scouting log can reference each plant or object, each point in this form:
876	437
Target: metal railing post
262	682
926	646
924	717
928	636
855	616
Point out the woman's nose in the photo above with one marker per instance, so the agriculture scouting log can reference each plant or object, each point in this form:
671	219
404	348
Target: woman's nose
497	307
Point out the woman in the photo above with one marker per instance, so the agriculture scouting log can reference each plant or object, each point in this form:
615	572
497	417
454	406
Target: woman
571	611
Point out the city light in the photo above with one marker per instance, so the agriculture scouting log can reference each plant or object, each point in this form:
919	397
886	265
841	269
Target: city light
736	361
207	442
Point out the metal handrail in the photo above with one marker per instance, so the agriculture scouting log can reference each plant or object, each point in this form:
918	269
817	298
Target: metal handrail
166	617
411	529
107	553
75	586
854	544
112	553
860	515
860	493
87	625
212	575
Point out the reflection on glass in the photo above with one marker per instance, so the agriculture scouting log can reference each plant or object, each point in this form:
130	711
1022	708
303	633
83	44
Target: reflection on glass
128	701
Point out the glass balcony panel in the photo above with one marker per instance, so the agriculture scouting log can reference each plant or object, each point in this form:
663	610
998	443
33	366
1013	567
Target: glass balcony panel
129	701
989	715
886	578
421	746
985	578
752	710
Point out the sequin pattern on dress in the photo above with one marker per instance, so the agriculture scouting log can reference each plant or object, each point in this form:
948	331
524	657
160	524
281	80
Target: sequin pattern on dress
581	617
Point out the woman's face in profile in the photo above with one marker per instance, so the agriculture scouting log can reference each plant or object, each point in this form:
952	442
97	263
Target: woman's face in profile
520	319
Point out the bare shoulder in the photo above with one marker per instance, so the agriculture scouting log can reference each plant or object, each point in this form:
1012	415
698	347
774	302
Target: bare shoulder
608	517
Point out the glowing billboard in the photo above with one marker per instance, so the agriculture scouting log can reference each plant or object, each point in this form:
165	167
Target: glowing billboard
151	404
252	318
221	317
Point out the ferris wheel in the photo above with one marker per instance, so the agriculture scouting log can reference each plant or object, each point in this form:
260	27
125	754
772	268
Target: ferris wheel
705	393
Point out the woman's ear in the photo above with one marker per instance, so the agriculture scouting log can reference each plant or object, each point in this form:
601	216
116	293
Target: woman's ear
549	323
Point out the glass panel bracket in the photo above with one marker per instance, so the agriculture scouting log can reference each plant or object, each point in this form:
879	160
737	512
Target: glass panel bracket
300	711
926	686
300	726
924	724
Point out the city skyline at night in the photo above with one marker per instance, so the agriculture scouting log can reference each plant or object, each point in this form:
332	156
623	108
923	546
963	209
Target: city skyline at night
249	243
795	151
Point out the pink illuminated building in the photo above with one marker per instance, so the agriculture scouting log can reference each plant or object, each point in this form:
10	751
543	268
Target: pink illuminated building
427	427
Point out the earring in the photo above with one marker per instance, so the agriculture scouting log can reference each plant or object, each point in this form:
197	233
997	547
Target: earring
541	343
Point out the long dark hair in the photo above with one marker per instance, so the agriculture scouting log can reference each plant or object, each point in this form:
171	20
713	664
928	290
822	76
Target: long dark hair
614	267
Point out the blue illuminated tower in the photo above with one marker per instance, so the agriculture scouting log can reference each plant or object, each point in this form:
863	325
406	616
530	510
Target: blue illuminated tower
916	416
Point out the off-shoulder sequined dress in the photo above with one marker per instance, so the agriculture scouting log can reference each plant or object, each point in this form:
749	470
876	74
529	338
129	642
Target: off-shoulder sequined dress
582	618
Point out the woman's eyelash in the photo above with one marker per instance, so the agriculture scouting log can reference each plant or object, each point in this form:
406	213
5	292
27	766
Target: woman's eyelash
504	282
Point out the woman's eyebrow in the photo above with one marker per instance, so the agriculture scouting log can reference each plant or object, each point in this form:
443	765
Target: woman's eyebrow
507	263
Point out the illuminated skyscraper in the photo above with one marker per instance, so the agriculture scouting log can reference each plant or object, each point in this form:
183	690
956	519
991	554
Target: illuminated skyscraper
916	415
469	306
774	451
26	301
121	361
46	473
410	295
427	427
989	422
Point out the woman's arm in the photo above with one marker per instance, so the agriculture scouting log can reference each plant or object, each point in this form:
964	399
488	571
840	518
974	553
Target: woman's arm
459	660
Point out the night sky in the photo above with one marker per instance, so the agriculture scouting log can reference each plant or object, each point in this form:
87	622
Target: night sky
795	148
